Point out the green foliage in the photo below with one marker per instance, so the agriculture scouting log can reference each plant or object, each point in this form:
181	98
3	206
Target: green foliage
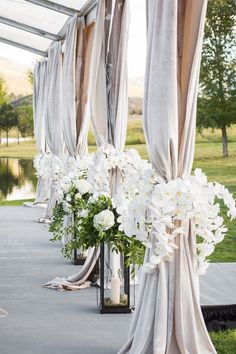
56	226
26	149
18	202
225	341
26	120
217	99
3	92
30	76
83	233
8	118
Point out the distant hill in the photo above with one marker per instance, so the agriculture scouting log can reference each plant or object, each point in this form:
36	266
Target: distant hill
25	100
15	75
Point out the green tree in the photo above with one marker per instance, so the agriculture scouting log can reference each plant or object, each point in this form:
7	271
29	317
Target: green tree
30	76
3	98
3	91
217	98
8	118
25	120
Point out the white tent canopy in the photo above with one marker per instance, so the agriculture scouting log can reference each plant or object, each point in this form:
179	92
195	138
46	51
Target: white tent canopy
46	21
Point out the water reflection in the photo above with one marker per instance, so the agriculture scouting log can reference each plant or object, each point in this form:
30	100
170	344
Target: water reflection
17	179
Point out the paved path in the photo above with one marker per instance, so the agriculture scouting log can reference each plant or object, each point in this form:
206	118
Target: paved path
42	321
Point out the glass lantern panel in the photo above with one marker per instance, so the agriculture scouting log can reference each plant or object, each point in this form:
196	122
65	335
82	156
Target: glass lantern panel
115	285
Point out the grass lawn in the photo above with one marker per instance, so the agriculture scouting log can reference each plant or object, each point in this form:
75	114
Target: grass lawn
225	341
14	202
25	150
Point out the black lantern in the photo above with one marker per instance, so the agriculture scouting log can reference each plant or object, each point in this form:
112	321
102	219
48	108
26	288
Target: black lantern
115	294
78	255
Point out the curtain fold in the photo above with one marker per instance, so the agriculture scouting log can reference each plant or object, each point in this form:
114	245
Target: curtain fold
54	132
54	100
168	318
76	66
109	99
107	92
39	89
80	115
76	63
108	86
72	76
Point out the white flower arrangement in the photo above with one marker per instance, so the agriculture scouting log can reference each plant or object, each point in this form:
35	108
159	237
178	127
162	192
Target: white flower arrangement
156	215
85	190
151	210
49	166
43	165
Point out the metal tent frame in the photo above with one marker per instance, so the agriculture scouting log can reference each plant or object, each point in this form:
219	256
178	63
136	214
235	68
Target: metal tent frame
86	10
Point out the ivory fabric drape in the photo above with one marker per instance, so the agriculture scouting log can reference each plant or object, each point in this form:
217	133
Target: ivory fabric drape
108	86
168	318
74	116
54	133
108	97
79	280
54	104
39	98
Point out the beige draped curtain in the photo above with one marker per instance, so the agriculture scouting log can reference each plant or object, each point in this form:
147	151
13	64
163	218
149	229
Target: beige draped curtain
39	108
75	66
168	318
108	85
109	98
54	136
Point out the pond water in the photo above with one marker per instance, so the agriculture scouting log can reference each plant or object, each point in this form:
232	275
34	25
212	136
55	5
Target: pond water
17	179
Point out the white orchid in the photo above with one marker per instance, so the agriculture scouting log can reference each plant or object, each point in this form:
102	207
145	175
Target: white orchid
160	211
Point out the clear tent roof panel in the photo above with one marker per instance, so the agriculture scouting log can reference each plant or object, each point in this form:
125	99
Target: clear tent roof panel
25	38
15	14
32	15
74	4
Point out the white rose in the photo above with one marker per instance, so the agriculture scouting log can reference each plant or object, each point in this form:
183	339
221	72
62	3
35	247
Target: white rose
104	220
78	196
83	186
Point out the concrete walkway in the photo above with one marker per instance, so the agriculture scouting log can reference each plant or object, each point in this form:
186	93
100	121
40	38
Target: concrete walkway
42	321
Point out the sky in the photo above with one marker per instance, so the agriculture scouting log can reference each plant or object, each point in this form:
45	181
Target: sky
136	47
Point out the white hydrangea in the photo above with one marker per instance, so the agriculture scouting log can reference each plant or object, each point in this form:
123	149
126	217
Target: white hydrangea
104	220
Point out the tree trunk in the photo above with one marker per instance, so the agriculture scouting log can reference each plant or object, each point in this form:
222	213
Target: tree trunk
224	141
7	136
